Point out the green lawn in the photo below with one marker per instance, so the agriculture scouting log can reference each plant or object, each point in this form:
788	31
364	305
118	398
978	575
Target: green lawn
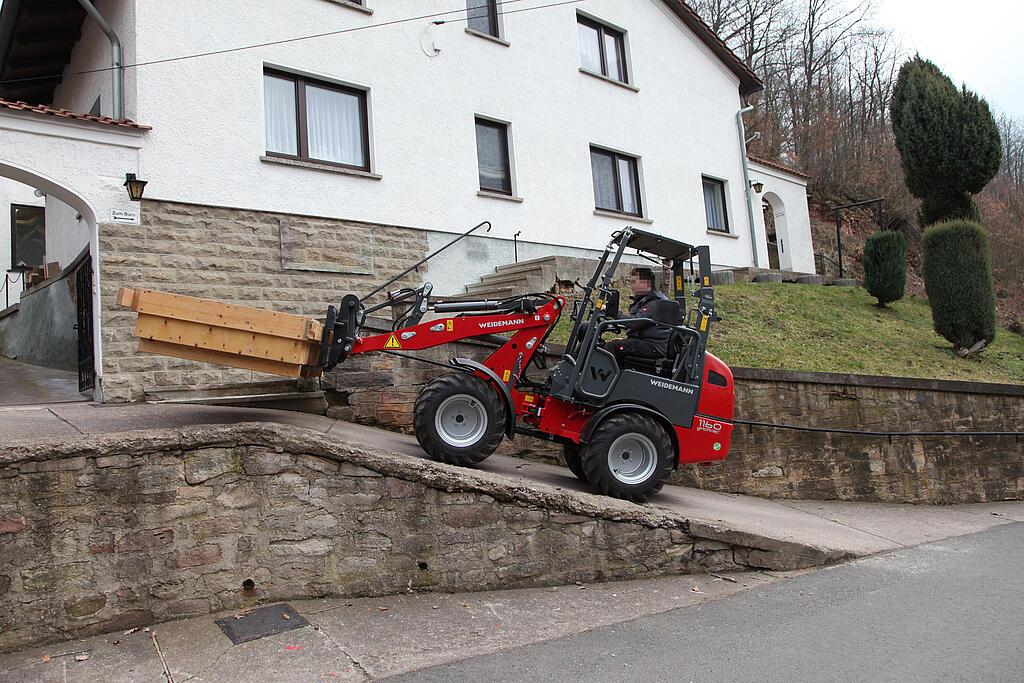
834	329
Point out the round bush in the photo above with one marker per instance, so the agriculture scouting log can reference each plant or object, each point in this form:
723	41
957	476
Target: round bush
958	279
885	266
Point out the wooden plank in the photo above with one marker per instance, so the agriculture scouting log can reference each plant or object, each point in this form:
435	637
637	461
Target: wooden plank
226	340
126	297
220	314
228	359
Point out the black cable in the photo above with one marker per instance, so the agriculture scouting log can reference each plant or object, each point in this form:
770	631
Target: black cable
421	360
855	432
284	41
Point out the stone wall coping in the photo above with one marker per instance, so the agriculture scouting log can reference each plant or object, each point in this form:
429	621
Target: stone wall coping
304	442
838	378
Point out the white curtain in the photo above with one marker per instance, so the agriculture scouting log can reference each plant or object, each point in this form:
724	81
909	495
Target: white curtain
335	126
279	111
713	205
590	48
603	167
627	185
611	54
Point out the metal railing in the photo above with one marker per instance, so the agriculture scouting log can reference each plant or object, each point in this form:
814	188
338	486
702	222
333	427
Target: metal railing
8	281
821	261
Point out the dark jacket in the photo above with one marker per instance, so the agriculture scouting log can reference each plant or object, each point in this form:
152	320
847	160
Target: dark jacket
643	307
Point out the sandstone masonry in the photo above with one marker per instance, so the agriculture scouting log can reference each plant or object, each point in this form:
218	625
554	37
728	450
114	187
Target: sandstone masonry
293	264
107	533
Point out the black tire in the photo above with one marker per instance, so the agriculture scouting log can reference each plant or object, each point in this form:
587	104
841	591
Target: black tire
641	440
468	401
572	453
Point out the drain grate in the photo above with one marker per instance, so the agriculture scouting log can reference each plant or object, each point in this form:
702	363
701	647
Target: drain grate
260	623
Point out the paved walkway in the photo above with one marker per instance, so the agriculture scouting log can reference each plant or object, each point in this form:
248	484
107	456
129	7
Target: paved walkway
23	384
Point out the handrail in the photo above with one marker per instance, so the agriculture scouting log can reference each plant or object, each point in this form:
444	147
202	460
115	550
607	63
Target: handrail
8	281
823	257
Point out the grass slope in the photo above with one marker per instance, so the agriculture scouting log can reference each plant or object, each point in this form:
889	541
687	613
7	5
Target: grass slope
834	329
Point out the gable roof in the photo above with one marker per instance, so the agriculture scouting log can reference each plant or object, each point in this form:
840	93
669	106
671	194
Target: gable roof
749	82
778	166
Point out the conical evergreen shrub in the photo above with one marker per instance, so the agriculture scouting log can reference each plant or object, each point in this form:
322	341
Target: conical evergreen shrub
958	279
885	266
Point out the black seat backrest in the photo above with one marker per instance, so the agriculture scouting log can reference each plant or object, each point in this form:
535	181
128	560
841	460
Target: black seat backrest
667	311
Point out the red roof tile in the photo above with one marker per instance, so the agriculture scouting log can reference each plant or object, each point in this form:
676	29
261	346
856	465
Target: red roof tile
779	167
65	114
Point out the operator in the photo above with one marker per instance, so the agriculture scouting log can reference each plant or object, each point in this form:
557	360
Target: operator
642	338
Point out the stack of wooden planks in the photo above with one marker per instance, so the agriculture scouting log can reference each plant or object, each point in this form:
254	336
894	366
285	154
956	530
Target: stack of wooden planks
224	334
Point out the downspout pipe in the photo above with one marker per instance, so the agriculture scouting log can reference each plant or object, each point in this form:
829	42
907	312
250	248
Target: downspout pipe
116	62
746	181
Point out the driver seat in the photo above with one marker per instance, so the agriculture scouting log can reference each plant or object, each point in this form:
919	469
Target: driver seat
668	312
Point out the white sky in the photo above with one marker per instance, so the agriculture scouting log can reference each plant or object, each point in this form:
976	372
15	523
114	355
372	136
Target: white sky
979	43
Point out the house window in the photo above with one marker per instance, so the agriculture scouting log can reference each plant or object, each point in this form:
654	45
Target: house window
714	205
616	182
493	156
28	235
483	16
315	121
602	49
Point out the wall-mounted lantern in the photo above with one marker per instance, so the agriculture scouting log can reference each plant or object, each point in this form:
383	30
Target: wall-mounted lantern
135	187
757	185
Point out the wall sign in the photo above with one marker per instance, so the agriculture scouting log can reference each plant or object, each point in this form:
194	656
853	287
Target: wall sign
129	216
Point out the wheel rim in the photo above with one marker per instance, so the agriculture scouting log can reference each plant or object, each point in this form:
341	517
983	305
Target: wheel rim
632	458
460	420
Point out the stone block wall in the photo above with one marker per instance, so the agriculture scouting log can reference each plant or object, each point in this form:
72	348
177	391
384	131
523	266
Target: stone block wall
293	264
778	463
106	533
773	463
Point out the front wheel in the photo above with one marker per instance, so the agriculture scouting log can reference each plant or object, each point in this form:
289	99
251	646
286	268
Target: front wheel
459	419
573	455
629	456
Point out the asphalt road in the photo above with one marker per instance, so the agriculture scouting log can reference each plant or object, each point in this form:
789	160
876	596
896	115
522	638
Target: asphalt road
951	610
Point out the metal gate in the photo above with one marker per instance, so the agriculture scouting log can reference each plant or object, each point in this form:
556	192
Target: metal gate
86	360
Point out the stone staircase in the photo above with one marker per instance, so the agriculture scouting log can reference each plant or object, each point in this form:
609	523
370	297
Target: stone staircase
535	275
558	272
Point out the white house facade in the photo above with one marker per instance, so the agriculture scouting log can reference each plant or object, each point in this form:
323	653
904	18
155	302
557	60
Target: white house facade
363	132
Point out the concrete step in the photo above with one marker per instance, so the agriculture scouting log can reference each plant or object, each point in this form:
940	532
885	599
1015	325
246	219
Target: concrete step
526	265
538	273
479	292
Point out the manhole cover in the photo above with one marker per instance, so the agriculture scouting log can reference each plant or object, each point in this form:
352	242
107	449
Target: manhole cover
260	623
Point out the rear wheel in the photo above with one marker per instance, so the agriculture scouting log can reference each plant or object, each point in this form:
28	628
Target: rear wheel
572	453
629	456
459	419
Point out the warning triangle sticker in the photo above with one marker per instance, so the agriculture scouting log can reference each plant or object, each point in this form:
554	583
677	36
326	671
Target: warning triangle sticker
392	343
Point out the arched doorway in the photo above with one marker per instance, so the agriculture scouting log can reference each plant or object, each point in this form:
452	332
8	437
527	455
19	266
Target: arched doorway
81	276
777	231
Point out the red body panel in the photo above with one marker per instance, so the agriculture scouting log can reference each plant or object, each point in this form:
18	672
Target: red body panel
706	440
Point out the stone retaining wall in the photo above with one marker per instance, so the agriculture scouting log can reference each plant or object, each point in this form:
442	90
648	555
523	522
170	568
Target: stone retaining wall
107	533
789	464
288	263
773	463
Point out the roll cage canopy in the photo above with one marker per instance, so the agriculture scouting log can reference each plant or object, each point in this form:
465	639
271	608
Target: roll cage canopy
657	245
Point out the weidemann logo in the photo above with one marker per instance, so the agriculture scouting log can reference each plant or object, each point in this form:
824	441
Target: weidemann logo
502	323
674	387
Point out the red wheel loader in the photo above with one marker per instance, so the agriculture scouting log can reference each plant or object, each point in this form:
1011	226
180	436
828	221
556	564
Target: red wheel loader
624	427
624	424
